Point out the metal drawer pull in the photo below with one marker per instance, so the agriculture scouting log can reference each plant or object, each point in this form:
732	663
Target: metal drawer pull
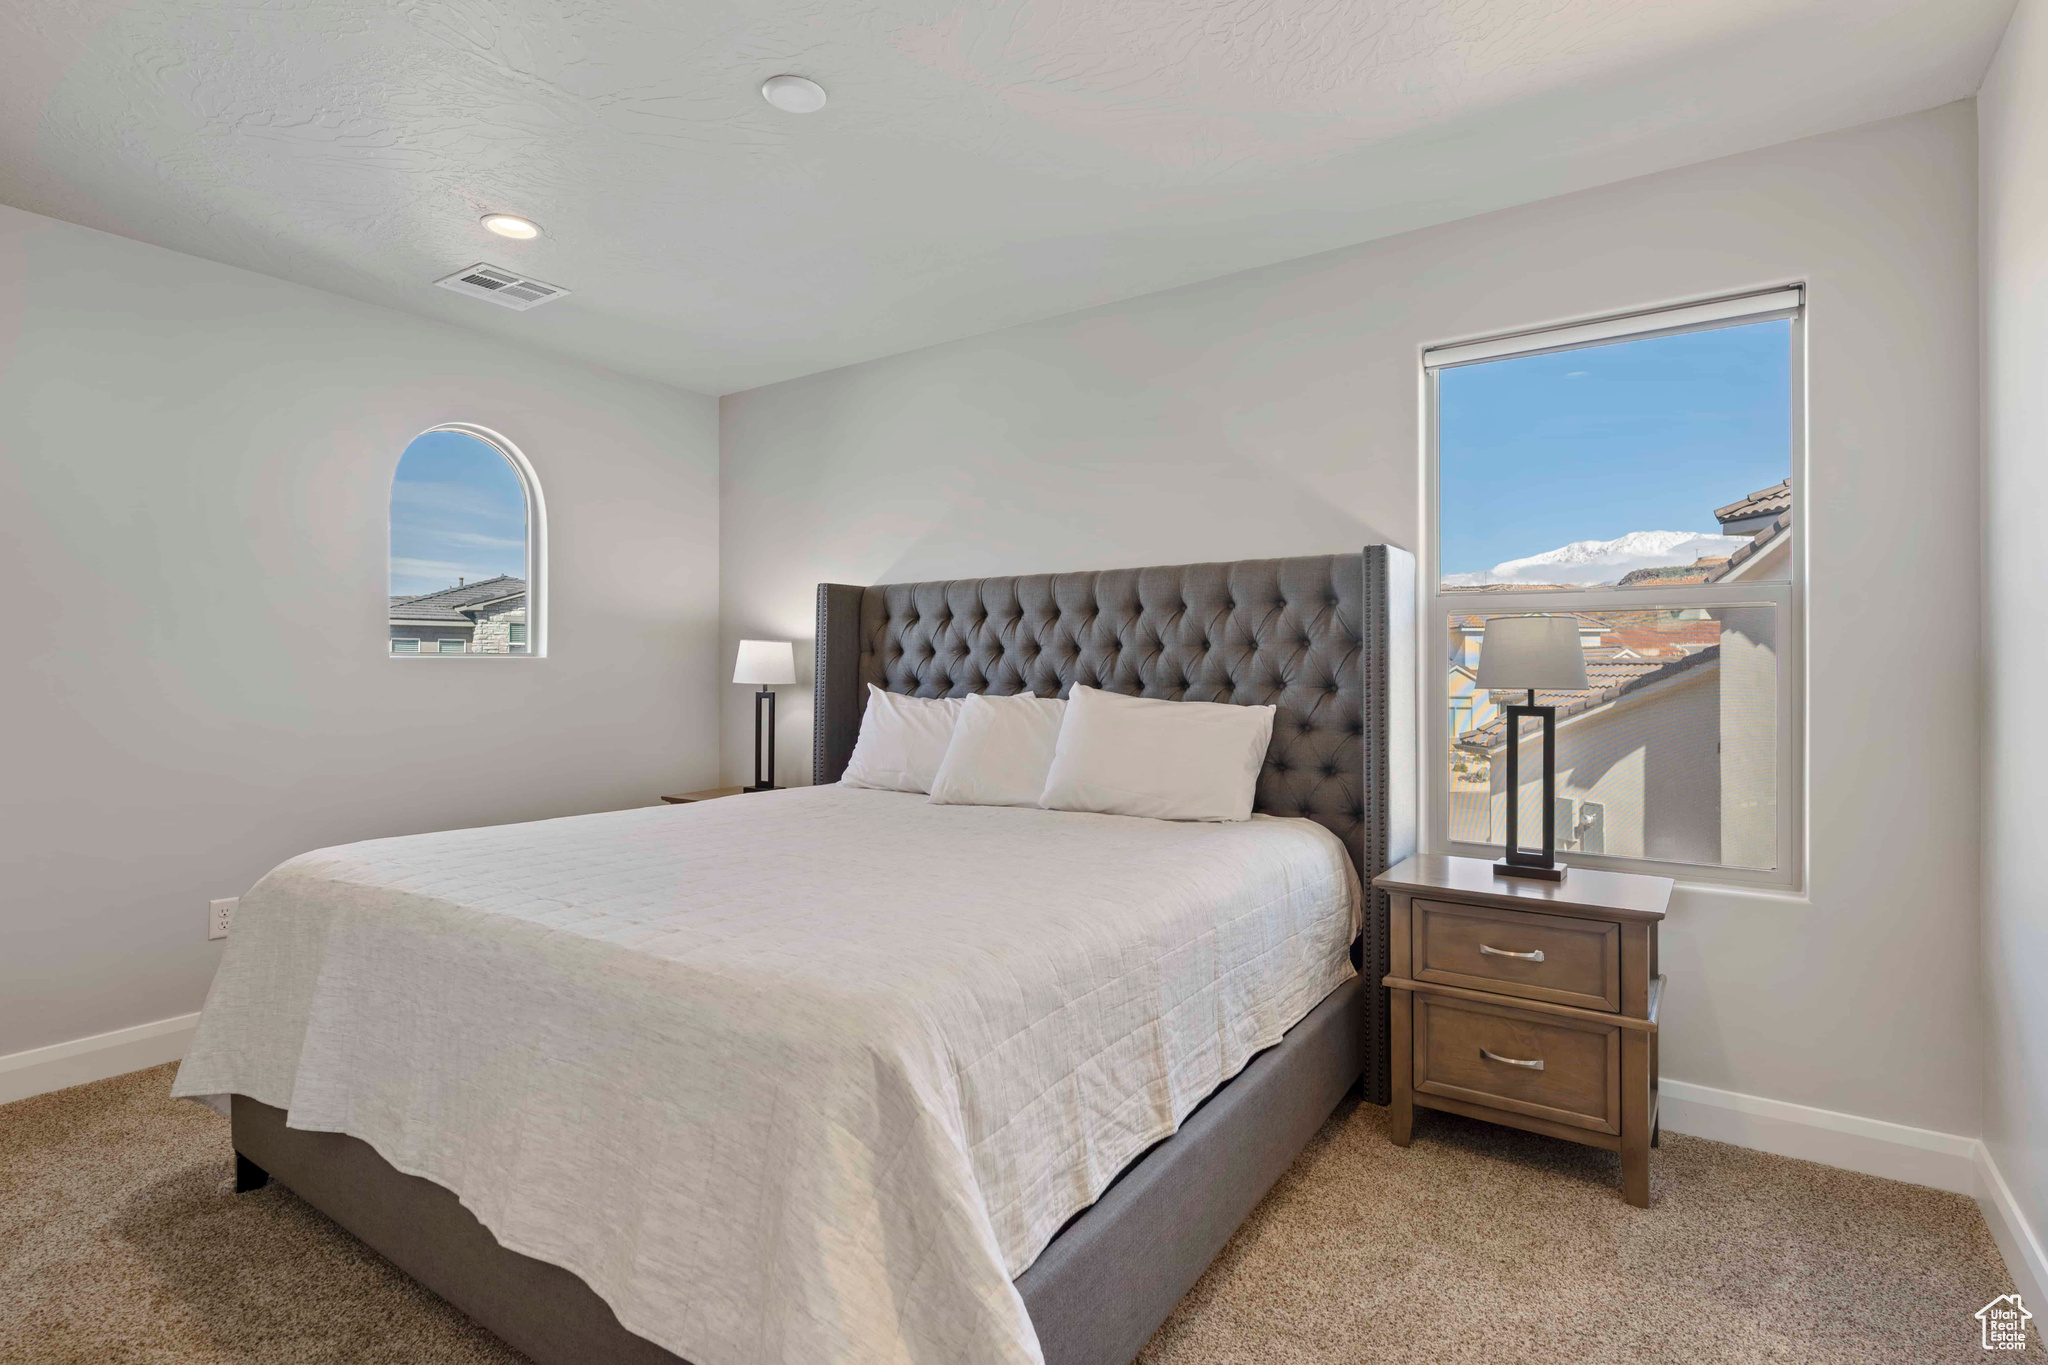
1536	1065
1488	950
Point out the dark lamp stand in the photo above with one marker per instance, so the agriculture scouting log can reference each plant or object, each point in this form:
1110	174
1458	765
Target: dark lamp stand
764	776
1519	862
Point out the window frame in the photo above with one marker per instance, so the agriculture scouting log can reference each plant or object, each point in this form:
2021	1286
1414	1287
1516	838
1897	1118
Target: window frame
536	541
397	640
1435	608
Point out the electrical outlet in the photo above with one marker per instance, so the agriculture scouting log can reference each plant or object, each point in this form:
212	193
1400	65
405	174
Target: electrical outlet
220	915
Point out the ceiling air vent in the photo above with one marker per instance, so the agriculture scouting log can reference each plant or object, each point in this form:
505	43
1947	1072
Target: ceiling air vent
482	281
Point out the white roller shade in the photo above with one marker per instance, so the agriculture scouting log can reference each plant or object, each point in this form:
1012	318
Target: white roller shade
1774	303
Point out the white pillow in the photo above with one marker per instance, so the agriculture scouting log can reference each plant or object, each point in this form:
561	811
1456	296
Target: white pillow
1169	760
1001	750
902	741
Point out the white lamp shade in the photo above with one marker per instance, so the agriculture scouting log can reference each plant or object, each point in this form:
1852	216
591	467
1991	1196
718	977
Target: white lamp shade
1540	653
765	662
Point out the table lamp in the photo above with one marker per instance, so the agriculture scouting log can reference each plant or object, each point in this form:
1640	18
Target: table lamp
1523	653
765	663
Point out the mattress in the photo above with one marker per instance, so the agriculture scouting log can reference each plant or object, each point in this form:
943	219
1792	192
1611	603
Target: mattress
805	1076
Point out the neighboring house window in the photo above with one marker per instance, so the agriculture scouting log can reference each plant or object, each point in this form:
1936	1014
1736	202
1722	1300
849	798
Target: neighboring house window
468	538
1641	475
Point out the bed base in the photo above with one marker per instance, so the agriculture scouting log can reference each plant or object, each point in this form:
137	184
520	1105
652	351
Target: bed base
1096	1294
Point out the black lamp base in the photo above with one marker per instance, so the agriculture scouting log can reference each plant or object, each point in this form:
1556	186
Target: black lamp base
1540	864
764	754
1553	873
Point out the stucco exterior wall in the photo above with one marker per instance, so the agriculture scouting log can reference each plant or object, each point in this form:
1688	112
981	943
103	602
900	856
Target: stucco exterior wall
1652	764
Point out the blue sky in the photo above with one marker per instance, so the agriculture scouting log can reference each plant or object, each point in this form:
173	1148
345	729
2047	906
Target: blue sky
457	511
1651	435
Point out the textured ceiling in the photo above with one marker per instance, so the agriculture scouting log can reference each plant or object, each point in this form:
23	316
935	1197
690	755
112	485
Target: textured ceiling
980	164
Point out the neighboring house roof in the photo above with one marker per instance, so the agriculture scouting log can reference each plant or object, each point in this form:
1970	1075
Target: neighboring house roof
1470	622
1660	639
1765	502
451	606
407	614
1647	631
1758	543
1614	676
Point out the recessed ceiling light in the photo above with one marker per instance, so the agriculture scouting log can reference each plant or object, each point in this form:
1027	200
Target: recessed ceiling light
793	94
507	225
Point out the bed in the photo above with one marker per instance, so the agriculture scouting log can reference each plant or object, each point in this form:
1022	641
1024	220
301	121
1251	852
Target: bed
829	1074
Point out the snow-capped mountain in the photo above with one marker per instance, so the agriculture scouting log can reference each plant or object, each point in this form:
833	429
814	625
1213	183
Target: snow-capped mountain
1588	562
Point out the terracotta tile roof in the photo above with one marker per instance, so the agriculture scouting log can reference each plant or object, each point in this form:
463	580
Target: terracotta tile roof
1665	640
1613	677
1762	503
1645	630
448	604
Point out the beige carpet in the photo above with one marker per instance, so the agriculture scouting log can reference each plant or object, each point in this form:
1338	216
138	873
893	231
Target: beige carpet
120	1242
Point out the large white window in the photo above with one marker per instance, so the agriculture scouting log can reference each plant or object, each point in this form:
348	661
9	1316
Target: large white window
1643	476
468	540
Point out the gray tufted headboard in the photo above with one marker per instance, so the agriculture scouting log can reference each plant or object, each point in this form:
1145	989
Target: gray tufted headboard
1326	639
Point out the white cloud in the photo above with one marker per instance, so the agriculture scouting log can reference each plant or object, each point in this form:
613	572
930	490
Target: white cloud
454	497
435	569
473	538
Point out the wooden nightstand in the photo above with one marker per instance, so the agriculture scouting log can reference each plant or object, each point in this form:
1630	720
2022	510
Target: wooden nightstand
708	794
1528	1003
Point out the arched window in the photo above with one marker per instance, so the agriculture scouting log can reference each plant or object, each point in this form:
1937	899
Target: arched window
468	540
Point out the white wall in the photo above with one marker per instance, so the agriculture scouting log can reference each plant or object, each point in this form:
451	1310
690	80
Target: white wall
2013	113
194	469
1275	412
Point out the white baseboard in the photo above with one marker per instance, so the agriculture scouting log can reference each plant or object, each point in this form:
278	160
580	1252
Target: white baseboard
1918	1156
2017	1240
43	1069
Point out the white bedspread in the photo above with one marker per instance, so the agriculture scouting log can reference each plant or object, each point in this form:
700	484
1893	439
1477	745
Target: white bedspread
799	1077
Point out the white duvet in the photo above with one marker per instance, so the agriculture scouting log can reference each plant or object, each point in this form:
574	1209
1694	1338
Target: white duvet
799	1077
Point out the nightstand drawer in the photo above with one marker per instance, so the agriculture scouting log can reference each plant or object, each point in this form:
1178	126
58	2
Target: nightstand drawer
1540	957
1545	1066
